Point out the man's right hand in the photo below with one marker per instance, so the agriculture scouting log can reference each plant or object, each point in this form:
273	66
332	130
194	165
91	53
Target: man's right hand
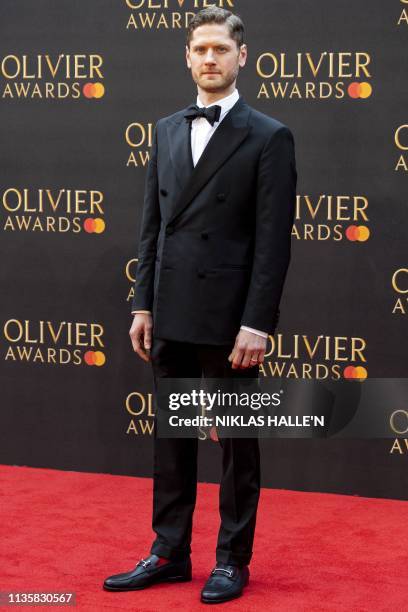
141	335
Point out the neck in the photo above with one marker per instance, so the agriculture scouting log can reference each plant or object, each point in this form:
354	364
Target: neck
210	97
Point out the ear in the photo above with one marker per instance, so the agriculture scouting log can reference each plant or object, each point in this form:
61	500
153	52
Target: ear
243	54
188	57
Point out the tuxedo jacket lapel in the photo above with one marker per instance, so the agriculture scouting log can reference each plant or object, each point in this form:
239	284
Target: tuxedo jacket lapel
226	139
178	133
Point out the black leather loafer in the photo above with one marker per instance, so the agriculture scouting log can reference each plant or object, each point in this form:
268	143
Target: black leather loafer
225	582
147	573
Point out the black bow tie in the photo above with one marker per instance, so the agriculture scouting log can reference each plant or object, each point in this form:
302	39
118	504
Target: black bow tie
212	113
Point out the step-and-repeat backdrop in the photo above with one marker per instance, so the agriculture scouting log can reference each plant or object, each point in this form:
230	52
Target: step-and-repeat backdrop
81	87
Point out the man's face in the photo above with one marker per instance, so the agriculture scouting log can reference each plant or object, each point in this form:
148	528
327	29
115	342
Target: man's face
214	57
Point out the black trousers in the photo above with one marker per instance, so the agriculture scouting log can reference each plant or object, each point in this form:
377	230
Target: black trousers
175	465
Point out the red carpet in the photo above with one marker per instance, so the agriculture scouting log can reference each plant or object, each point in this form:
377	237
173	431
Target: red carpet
66	531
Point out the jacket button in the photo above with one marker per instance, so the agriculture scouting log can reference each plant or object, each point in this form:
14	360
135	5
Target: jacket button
201	274
169	230
221	197
163	192
204	235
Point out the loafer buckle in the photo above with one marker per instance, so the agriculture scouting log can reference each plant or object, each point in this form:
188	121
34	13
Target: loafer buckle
222	569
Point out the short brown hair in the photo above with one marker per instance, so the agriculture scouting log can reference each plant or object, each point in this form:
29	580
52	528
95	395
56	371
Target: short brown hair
214	14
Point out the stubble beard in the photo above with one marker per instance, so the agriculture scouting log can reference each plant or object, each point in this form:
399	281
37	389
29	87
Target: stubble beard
221	86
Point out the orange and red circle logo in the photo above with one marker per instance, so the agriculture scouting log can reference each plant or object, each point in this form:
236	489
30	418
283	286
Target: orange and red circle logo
94	226
94	358
359	90
93	90
357	233
355	373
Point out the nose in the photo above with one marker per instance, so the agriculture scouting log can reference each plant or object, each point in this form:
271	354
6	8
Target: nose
209	57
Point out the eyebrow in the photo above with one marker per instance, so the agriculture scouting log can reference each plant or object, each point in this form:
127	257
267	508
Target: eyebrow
220	44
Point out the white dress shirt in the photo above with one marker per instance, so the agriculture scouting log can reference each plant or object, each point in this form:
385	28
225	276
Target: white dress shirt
201	132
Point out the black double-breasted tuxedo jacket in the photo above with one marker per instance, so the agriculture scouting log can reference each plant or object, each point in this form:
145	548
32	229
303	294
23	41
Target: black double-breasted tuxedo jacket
215	239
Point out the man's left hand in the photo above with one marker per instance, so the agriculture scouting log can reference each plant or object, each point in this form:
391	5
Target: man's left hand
249	350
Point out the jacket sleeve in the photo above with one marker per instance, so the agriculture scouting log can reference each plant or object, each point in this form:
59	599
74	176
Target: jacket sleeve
274	215
149	231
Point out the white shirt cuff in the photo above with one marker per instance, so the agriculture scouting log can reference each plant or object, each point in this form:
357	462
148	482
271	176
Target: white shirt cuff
255	331
144	311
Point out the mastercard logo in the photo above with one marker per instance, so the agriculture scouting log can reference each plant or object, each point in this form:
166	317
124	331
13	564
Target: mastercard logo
94	226
94	358
355	373
93	90
357	233
213	434
359	90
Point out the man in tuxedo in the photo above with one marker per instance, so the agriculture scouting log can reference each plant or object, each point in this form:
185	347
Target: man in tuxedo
213	255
